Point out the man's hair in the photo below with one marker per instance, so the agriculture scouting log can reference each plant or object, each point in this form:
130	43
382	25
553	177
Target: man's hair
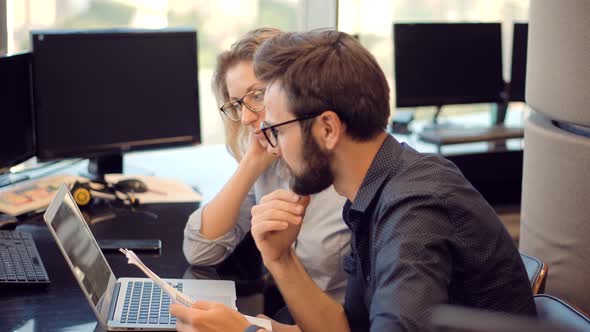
327	70
236	136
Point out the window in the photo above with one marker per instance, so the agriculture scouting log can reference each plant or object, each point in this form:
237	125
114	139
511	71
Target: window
218	23
372	21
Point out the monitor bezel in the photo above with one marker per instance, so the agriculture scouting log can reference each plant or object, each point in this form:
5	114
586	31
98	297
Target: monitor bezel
118	148
451	100
511	90
6	164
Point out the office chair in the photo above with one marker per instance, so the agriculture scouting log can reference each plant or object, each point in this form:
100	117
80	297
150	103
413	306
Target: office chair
537	272
553	309
450	318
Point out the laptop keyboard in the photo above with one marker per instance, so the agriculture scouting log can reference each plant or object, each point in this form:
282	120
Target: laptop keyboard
20	263
146	303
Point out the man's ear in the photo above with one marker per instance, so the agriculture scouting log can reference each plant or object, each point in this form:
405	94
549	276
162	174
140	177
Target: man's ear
330	129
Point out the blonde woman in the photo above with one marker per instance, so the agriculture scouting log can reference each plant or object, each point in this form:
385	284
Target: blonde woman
214	230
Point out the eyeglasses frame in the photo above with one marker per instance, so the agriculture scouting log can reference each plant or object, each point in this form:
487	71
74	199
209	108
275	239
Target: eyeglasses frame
241	103
273	131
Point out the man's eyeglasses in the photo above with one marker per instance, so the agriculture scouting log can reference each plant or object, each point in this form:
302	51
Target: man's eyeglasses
272	135
253	100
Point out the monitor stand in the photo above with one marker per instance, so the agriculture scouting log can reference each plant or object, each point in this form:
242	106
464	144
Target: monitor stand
98	167
449	133
499	113
437	132
101	165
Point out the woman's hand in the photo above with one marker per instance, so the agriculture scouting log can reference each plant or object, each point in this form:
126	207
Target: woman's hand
256	153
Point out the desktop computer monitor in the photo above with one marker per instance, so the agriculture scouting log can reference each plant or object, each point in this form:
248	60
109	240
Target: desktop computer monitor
16	118
99	94
447	63
518	70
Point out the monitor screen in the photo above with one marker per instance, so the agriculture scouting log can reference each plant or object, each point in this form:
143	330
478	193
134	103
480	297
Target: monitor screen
518	70
447	63
16	122
107	92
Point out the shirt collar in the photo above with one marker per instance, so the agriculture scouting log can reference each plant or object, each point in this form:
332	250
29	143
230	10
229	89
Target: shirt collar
385	165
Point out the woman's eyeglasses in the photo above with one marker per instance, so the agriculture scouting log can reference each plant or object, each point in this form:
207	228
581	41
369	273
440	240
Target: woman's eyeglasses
253	101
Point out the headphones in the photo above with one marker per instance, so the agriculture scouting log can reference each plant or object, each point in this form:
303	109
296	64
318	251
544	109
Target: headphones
86	193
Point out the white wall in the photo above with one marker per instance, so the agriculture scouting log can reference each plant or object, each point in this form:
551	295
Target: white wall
319	14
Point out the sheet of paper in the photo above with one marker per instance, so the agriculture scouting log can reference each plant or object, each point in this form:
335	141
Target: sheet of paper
160	190
33	195
177	296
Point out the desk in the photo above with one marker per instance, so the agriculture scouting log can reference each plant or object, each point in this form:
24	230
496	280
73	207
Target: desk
62	306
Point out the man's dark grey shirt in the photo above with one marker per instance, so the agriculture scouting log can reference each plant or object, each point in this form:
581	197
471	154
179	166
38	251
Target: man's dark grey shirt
422	236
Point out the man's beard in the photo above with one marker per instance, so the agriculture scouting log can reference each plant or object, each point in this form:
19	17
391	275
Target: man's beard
317	174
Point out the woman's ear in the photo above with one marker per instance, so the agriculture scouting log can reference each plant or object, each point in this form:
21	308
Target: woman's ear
330	129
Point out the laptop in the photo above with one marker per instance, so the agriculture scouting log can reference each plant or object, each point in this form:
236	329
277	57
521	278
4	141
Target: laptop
120	303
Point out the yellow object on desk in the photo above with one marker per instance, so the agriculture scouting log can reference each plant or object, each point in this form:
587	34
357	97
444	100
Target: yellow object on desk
33	195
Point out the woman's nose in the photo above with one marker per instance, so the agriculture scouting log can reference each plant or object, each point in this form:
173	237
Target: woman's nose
248	117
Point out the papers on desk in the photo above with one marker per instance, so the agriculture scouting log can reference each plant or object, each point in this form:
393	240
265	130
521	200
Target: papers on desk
160	190
177	296
33	195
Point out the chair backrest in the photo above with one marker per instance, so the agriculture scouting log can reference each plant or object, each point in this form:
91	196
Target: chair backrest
553	309
537	272
449	318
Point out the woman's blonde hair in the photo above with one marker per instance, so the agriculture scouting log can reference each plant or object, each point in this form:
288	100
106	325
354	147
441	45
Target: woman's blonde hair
236	135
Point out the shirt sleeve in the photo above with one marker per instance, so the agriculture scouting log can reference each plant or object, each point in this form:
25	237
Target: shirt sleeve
412	265
199	250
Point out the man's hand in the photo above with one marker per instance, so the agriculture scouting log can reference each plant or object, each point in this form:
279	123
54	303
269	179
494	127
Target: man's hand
206	316
276	222
280	327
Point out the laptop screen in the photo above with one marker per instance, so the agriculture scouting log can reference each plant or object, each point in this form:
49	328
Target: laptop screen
77	243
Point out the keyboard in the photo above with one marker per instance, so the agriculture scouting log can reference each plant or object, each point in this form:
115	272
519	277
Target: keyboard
146	303
20	263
